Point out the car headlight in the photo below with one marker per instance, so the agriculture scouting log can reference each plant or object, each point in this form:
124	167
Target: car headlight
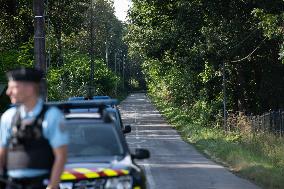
66	185
122	182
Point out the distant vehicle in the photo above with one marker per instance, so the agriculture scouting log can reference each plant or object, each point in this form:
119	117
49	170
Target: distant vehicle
113	109
87	98
76	98
98	155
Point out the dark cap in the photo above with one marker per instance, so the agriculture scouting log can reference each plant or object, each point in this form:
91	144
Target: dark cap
25	74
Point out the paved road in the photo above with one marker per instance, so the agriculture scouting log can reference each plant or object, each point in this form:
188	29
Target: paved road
174	164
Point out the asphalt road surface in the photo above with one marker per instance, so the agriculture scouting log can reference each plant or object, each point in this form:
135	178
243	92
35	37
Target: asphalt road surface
173	164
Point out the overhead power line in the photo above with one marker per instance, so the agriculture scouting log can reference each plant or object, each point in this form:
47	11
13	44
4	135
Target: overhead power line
250	54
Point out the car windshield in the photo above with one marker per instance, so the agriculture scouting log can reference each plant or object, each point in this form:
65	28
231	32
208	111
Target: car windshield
93	139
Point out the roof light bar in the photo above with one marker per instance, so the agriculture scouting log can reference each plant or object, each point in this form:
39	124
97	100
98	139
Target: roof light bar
99	103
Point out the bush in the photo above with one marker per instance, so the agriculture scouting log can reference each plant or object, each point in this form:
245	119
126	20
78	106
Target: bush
73	78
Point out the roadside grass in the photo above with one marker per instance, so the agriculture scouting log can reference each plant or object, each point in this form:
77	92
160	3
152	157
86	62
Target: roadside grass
257	157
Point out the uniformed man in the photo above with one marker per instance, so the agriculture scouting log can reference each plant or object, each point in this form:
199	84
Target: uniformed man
33	143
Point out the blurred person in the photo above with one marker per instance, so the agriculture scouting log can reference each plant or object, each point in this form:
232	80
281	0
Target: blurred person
33	142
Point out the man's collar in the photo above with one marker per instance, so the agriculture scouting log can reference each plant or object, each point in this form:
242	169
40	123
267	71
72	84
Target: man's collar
34	112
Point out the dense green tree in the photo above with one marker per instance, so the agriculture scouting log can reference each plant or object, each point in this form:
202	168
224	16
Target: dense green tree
72	80
182	46
64	18
16	24
67	43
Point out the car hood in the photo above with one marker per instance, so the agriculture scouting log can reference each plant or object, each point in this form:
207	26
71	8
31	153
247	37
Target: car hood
88	168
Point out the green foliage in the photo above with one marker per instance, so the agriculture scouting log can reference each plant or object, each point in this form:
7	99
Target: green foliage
270	23
7	62
67	44
183	45
73	78
16	21
26	54
70	79
272	26
15	58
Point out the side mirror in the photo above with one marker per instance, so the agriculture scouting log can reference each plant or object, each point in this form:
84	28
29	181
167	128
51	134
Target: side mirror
127	129
141	154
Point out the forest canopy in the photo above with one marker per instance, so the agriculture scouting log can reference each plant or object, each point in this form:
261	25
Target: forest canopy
190	49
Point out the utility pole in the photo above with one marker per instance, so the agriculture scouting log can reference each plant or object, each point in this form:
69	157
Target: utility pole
115	67
48	55
106	52
123	76
91	88
39	41
224	97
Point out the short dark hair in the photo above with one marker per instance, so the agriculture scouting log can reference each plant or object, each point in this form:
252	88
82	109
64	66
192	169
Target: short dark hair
25	74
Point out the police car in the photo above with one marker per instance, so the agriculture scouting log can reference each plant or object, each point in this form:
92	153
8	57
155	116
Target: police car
112	109
98	155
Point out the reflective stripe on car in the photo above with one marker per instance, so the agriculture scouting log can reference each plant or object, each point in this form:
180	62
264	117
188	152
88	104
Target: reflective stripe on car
84	173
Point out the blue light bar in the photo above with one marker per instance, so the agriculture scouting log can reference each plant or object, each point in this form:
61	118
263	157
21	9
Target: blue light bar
76	98
99	103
